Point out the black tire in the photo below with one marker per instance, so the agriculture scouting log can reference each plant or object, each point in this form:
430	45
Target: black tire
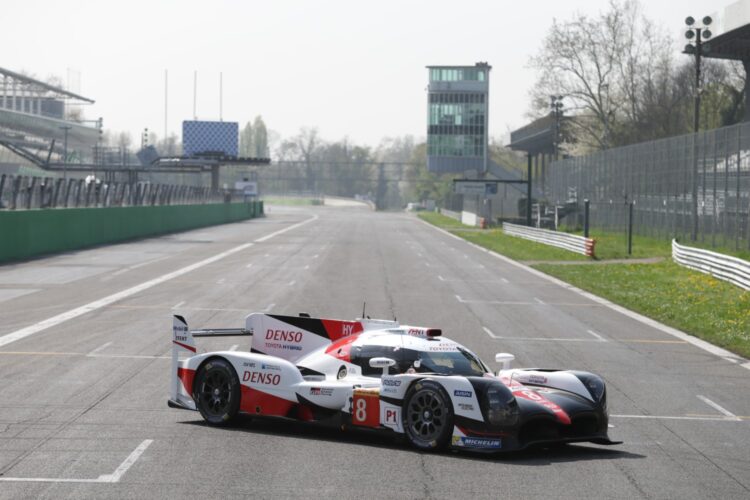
427	416
216	392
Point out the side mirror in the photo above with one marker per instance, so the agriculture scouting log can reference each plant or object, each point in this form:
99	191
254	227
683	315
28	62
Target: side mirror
383	363
504	358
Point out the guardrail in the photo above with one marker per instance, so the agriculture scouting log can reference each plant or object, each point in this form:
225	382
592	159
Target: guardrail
572	242
720	266
451	214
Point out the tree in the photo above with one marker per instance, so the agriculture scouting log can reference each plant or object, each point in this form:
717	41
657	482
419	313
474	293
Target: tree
260	138
247	146
622	83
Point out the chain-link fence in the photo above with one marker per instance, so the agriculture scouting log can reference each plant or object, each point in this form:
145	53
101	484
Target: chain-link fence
695	186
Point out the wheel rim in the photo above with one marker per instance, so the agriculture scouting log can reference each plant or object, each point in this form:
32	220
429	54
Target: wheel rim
426	416
215	392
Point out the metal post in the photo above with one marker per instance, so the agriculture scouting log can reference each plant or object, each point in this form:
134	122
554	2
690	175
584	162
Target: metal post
586	218
630	227
65	129
528	190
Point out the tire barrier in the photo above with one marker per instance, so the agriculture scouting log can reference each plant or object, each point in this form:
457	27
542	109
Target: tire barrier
720	266
30	233
572	242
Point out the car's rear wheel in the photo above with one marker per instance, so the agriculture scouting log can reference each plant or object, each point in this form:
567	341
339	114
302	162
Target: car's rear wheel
216	392
428	416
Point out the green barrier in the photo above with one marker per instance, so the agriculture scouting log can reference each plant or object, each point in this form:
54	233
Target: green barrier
28	233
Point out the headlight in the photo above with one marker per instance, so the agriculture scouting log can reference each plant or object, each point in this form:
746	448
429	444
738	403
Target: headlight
595	386
502	408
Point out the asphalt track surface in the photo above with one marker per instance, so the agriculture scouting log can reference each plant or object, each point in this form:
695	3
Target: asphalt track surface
83	390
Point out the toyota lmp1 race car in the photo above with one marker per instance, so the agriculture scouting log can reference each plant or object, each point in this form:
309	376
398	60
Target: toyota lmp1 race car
381	375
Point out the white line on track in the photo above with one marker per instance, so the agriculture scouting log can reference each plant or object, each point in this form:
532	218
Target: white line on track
667	417
441	278
99	349
592	332
291	283
427	264
104	478
728	414
489	332
269	307
701	344
315	256
249	266
179	304
307	267
127	463
539	301
504	280
103	302
234	347
221	281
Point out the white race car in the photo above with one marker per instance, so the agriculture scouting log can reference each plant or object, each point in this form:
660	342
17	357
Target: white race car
381	375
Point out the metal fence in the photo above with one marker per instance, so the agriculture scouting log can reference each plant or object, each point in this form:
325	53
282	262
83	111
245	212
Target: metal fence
724	267
691	186
28	192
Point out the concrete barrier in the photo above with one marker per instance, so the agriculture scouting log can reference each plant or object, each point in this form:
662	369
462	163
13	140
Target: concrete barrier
29	233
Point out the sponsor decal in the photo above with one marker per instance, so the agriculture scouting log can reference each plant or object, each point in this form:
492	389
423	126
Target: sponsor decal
477	442
347	329
285	347
416	332
444	348
284	335
389	390
180	333
261	378
248	364
391	383
321	391
536	379
462	394
265	366
466	407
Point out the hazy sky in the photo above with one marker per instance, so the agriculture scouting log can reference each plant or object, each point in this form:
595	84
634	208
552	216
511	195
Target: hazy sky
351	68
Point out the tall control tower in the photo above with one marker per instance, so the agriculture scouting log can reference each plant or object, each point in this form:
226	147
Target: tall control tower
458	118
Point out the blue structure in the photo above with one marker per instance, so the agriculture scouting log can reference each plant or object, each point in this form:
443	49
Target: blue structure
210	138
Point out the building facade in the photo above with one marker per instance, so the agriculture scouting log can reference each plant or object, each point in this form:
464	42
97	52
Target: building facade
458	118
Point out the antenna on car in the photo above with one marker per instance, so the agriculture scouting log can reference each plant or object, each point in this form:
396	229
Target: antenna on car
364	304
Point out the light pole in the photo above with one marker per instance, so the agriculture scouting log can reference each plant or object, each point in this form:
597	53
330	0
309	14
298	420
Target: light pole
696	35
556	105
65	129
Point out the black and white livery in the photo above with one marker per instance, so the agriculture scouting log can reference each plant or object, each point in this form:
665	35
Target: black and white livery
383	375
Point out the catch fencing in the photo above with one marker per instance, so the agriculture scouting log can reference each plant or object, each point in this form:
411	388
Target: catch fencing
28	192
572	242
690	186
724	267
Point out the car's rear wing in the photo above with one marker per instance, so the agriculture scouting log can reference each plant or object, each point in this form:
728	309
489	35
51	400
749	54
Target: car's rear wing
183	339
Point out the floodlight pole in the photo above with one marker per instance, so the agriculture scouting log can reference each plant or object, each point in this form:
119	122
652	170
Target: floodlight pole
697	109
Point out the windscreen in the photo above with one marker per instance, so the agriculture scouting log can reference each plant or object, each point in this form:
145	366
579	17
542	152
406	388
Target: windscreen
448	362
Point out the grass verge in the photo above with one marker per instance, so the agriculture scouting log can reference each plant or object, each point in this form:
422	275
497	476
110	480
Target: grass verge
496	240
693	302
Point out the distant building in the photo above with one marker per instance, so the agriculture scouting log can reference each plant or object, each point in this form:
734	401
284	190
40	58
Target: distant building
457	118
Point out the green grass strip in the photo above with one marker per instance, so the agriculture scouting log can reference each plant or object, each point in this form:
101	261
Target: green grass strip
693	302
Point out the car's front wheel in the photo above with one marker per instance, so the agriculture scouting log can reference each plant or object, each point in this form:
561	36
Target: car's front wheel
428	416
216	392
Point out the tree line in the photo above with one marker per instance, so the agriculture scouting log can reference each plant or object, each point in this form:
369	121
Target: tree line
622	81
